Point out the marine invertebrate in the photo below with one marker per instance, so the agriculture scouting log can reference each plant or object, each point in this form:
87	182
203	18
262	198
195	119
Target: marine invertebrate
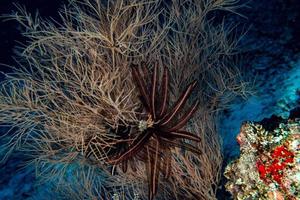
268	167
161	131
73	101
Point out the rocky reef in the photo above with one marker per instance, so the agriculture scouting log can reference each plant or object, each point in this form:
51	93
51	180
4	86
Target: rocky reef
269	163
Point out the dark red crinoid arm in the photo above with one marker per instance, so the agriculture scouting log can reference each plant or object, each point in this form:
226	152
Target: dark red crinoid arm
179	104
133	149
141	85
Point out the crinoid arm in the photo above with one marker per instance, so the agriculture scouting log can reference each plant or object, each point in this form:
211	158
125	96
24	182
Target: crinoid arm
179	104
133	149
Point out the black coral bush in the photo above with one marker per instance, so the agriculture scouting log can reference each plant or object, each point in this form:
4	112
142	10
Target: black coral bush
78	106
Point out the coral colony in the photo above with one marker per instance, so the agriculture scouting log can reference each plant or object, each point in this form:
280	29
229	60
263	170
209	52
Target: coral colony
269	165
105	104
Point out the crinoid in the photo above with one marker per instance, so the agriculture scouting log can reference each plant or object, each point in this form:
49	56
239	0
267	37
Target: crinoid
160	131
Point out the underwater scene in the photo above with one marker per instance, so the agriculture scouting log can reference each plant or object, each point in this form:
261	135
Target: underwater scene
150	99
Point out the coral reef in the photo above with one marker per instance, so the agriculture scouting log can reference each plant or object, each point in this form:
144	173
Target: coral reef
269	164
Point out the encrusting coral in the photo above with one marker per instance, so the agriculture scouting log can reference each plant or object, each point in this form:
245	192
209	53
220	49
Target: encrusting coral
269	165
74	97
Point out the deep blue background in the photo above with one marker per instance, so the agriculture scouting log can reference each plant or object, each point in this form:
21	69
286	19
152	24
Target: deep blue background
10	33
